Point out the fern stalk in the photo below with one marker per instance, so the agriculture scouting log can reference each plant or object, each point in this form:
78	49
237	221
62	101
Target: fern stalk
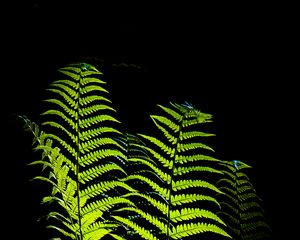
171	180
78	166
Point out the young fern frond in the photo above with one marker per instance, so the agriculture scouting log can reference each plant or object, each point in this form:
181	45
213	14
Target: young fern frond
241	207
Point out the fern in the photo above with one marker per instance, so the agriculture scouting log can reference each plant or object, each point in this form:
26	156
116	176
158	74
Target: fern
241	206
83	160
170	173
107	184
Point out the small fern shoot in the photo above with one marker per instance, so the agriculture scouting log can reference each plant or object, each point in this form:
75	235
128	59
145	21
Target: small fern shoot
241	206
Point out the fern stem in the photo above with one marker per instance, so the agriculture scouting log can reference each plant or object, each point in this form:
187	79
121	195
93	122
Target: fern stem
78	198
77	167
238	201
170	185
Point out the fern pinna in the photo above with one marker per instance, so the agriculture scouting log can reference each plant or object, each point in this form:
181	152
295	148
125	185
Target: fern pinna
171	172
83	159
241	207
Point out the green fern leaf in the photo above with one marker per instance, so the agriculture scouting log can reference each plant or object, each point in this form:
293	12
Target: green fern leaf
173	187
79	153
240	206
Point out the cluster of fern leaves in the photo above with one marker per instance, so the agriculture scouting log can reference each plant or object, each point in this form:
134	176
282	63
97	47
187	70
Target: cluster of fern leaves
109	184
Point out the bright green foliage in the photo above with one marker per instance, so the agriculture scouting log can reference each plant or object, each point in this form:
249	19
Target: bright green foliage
171	173
241	206
110	185
81	155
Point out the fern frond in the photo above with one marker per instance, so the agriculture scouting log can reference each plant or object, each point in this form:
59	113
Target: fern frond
80	155
241	208
177	189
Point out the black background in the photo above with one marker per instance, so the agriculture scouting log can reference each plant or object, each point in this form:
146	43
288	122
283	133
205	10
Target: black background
232	61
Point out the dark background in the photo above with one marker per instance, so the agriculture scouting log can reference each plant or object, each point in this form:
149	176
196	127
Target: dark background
231	61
